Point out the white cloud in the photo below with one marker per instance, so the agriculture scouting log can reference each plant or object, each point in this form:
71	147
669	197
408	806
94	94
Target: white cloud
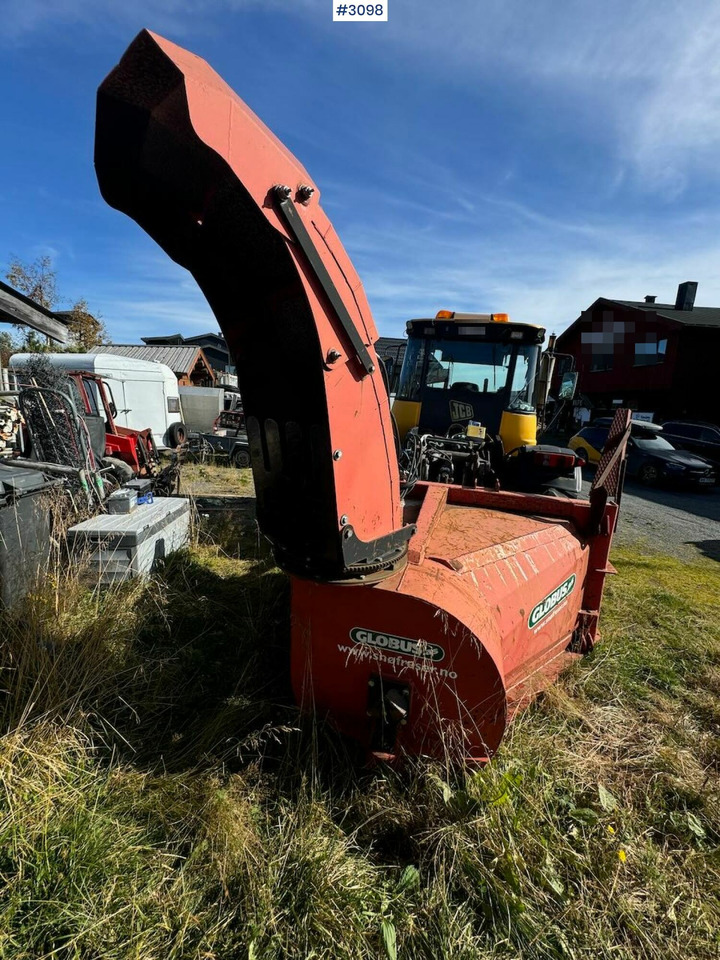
678	128
643	73
537	272
414	261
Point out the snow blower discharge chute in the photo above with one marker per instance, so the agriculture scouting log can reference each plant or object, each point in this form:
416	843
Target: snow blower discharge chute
424	611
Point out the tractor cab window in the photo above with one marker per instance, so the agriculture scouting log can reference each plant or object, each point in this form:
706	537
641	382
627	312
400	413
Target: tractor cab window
523	383
468	365
475	366
411	373
91	392
110	399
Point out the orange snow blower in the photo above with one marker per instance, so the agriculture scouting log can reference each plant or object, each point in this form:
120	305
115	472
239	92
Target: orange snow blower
422	615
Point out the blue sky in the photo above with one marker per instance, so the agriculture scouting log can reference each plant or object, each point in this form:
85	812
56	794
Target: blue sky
524	156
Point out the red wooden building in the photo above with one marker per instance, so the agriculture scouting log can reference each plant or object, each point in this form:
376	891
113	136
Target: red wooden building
660	358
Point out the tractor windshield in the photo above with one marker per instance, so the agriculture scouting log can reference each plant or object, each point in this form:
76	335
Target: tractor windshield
507	369
487	368
468	365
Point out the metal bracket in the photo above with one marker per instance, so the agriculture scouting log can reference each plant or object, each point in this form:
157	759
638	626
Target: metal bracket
297	228
373	555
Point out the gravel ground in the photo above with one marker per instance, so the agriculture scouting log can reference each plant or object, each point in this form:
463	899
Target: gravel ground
683	523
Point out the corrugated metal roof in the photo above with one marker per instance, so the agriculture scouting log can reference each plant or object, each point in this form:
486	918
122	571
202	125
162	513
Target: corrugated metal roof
181	360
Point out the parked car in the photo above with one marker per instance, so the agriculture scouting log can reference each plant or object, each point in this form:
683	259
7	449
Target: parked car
651	458
700	438
588	442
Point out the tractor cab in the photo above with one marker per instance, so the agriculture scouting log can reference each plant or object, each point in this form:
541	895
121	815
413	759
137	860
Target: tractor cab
468	368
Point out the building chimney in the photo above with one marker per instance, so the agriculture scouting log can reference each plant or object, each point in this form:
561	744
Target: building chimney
686	295
650	298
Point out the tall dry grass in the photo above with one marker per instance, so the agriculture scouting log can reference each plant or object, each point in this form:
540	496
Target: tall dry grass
161	797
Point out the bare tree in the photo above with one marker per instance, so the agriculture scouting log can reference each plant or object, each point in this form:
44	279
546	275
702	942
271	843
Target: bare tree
38	280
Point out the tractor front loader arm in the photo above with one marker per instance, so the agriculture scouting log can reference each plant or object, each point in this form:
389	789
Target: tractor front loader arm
179	152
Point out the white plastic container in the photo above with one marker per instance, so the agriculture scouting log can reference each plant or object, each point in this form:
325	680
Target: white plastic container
120	546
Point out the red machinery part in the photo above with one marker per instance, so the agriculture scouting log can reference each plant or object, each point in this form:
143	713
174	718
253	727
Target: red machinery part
422	648
177	150
499	591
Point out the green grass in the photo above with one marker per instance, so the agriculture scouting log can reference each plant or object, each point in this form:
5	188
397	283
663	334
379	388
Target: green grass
216	479
161	798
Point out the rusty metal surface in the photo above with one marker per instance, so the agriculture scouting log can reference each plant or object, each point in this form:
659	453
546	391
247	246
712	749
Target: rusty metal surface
609	474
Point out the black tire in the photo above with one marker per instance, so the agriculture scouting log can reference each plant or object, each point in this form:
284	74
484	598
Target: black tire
240	458
649	474
121	471
177	434
583	454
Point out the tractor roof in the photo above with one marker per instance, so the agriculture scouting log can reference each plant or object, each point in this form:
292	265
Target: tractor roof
452	316
452	324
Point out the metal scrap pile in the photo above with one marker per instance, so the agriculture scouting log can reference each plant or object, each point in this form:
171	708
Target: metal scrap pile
9	425
49	404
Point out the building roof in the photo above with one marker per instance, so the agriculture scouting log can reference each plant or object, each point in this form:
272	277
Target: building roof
172	338
180	359
217	338
391	347
177	339
697	317
110	365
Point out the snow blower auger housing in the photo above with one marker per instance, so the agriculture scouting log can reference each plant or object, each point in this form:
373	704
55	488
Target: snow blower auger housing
417	626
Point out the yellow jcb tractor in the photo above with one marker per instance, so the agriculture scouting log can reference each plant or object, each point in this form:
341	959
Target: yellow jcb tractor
471	390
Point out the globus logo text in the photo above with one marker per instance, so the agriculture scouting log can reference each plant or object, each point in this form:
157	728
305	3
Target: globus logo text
551	601
402	645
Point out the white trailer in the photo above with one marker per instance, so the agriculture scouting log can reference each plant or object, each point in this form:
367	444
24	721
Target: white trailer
145	393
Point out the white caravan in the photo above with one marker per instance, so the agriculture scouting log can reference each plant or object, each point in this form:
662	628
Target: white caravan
145	393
